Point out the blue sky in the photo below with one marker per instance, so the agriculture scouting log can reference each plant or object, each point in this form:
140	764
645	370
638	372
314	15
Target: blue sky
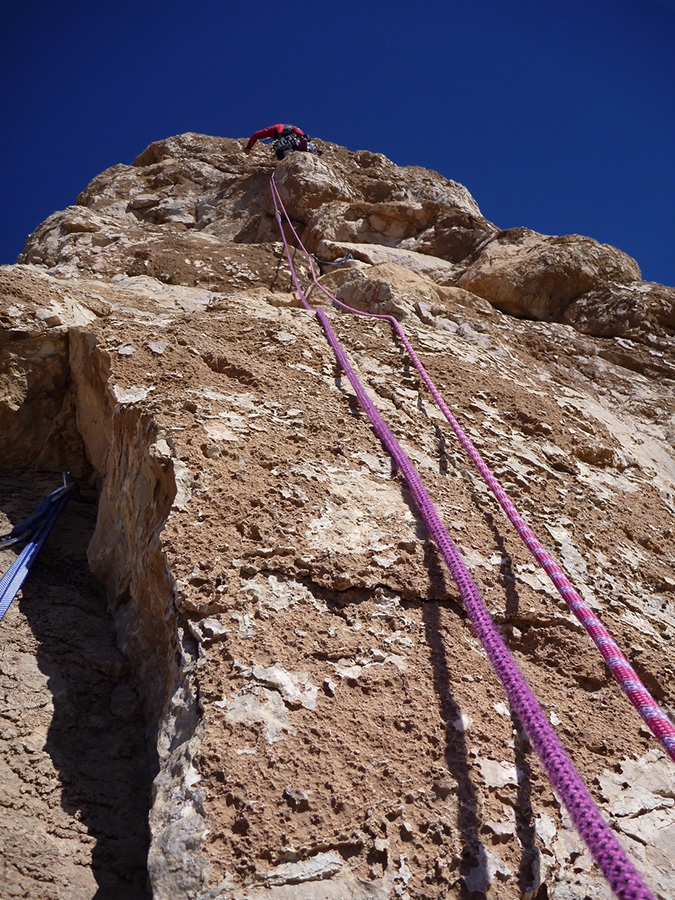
557	116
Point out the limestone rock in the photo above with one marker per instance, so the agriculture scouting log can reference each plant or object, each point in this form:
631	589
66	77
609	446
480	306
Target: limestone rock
439	270
639	310
385	289
424	226
321	719
307	183
533	275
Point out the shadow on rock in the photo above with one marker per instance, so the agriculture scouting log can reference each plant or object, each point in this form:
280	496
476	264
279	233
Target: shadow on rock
96	738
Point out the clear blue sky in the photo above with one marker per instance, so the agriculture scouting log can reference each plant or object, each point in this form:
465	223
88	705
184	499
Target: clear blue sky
555	115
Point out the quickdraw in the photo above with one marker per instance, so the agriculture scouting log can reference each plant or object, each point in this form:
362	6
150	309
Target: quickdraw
35	532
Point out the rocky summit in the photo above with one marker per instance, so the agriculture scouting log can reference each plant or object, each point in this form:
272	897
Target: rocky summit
239	669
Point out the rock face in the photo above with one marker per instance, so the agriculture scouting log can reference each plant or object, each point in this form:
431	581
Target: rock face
321	721
532	275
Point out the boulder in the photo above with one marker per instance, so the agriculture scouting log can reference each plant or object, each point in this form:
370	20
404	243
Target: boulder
306	183
424	226
537	276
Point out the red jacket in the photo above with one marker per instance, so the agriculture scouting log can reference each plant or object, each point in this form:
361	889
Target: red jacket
274	131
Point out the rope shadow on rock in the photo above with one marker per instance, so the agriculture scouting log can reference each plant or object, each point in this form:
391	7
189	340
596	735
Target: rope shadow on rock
528	874
456	757
456	751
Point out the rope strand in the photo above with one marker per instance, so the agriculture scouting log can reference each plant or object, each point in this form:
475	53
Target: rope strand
604	846
656	719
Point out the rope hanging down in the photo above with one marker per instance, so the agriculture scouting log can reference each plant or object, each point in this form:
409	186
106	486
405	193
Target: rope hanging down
604	846
35	531
625	675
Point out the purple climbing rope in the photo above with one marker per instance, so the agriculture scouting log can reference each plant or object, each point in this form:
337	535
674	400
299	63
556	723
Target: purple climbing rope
604	846
621	669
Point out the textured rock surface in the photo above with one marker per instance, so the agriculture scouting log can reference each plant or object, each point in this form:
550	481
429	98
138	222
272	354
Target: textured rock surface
529	274
321	720
74	771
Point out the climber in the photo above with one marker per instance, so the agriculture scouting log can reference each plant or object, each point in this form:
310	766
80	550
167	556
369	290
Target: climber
286	139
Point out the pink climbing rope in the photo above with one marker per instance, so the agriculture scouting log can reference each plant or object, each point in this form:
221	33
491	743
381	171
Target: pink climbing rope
603	844
621	669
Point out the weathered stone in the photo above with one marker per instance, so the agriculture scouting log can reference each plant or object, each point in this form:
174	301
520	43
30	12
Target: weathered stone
306	183
384	289
533	275
438	270
423	226
640	310
255	544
